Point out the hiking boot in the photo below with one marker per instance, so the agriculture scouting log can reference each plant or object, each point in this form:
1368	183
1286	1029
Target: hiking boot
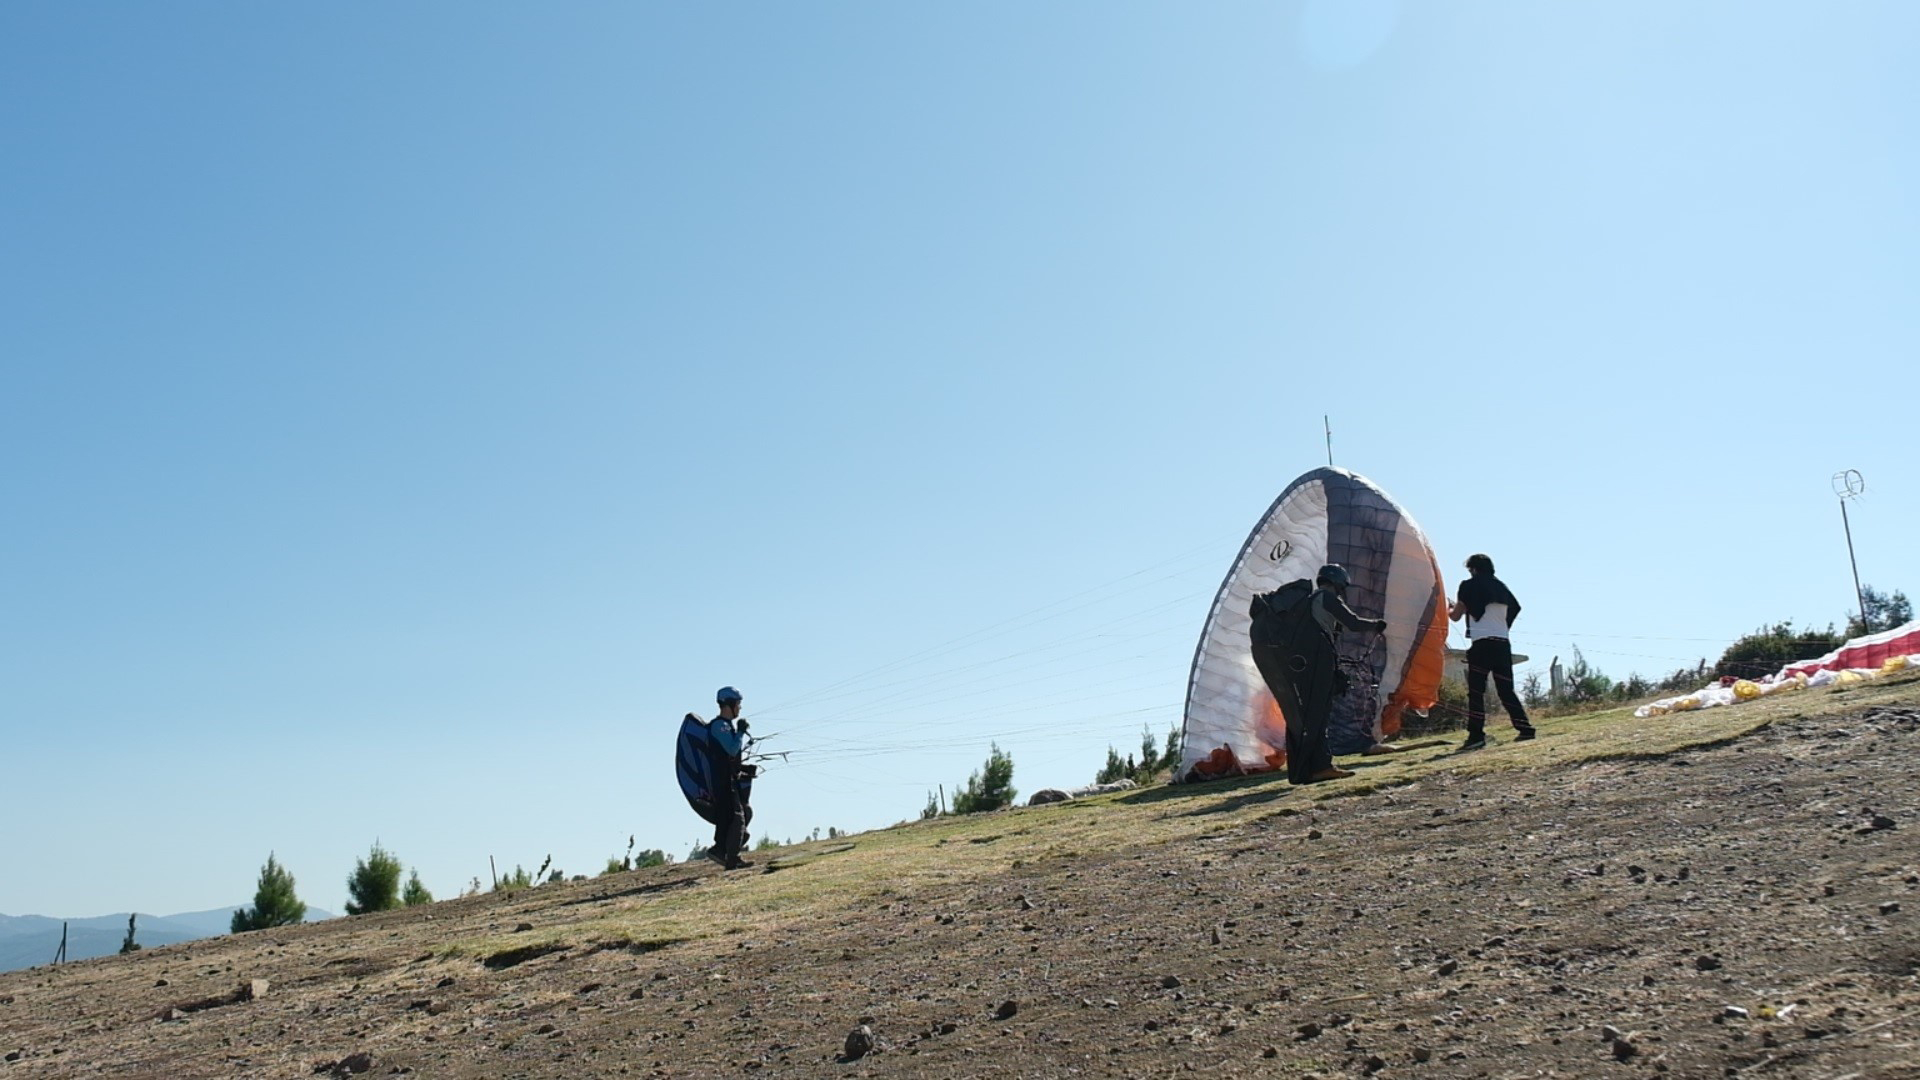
737	863
1474	742
717	856
1525	734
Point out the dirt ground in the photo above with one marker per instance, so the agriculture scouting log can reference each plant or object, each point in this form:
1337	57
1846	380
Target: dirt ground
1744	909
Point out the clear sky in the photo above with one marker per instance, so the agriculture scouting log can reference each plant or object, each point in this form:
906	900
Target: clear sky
410	411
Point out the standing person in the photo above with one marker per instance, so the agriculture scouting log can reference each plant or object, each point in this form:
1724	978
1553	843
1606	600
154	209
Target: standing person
1490	610
1304	675
726	734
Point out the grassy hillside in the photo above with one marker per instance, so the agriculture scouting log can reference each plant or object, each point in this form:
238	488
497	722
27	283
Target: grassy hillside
1601	899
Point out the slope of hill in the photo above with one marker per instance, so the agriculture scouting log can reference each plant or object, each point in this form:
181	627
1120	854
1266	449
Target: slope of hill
1724	890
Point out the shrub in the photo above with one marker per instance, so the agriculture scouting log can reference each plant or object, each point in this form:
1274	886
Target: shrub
1448	713
1152	760
1770	648
1582	682
650	857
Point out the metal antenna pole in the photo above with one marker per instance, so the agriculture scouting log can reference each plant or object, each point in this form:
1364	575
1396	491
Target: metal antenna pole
1325	423
1848	484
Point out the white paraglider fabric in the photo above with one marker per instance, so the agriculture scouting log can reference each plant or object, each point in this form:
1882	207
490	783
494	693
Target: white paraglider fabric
1859	659
1328	515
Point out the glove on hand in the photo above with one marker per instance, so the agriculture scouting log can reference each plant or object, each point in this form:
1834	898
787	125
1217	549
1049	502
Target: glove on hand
740	725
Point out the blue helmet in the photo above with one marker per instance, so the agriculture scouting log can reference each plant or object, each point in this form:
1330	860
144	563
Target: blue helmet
726	694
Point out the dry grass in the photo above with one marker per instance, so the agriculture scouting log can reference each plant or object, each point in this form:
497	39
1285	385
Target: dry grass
642	910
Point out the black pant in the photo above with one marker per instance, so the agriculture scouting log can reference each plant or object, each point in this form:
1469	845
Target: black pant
1306	701
1491	656
728	811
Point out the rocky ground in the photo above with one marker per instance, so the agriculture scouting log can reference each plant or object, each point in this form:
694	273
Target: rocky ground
1744	909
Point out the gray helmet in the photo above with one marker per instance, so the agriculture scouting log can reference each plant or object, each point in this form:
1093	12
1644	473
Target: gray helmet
1333	574
726	694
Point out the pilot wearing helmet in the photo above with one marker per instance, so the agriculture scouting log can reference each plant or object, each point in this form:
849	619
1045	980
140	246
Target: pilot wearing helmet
727	742
1306	676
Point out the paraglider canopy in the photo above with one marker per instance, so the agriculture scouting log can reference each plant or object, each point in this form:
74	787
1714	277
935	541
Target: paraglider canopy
1327	516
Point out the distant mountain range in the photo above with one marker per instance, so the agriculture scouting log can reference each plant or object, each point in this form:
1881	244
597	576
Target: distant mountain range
30	940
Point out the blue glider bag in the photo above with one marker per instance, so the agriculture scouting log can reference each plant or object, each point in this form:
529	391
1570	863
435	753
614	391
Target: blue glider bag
695	763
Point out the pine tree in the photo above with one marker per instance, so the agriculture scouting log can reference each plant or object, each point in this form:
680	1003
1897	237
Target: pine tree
1884	612
1170	757
416	892
274	902
989	789
374	884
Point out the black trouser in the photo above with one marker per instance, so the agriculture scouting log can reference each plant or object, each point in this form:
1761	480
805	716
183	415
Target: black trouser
1305	704
728	812
1491	656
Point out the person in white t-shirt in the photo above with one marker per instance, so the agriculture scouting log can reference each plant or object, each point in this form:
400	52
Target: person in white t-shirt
1490	609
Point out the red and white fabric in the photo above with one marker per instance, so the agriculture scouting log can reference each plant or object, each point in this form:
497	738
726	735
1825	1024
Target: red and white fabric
1861	653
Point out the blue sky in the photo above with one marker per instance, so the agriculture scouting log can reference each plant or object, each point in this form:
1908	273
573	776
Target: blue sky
410	411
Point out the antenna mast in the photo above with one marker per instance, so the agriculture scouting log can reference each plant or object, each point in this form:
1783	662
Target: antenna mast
1847	484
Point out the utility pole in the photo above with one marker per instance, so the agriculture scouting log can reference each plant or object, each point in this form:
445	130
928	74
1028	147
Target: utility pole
1327	424
1847	484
